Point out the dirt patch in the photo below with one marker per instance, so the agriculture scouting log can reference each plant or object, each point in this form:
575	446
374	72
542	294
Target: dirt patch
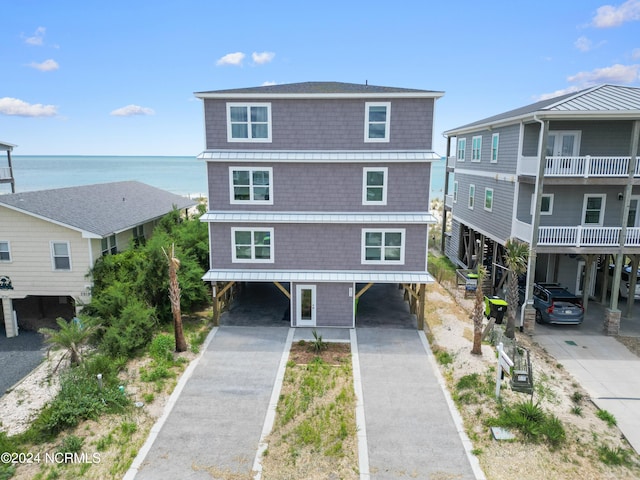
333	353
632	344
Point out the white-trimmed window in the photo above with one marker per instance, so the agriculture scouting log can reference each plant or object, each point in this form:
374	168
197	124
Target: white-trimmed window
249	122
108	245
252	245
251	185
455	192
546	204
495	140
5	251
462	146
488	199
61	255
374	186
472	194
476	148
376	121
593	209
383	246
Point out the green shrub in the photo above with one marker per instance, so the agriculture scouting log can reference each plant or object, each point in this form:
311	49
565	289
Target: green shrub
71	444
442	356
108	366
613	456
606	417
158	372
162	347
533	423
131	331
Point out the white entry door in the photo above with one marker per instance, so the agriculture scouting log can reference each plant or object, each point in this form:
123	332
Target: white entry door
306	305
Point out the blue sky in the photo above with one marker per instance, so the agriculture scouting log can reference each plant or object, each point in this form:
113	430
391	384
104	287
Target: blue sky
117	78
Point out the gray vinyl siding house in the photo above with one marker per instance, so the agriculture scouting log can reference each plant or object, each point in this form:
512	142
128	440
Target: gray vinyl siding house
565	178
321	188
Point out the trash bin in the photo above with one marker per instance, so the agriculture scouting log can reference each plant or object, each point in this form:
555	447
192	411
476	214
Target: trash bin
495	307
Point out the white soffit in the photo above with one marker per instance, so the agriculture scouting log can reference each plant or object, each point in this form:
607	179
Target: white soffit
318	217
316	276
325	156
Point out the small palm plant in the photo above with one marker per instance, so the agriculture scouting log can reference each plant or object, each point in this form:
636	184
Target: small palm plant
516	255
72	335
478	313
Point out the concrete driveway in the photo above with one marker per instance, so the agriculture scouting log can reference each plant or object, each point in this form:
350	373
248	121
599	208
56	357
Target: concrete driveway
19	356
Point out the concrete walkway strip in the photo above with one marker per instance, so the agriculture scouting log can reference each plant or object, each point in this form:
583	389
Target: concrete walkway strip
153	434
457	418
273	405
361	424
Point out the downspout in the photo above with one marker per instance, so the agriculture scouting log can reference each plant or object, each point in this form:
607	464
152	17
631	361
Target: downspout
533	245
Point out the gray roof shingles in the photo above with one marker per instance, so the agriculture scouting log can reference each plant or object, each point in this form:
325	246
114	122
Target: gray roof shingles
100	209
320	88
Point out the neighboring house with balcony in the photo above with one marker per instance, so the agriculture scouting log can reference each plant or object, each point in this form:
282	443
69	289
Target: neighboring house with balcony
50	240
6	168
560	174
321	188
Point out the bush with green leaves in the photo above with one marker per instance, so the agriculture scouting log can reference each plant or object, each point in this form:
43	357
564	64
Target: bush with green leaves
130	331
162	348
533	423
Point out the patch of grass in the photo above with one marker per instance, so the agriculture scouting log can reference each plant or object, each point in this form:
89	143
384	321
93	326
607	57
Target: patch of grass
441	268
71	444
442	356
533	422
614	456
607	417
148	398
576	410
577	397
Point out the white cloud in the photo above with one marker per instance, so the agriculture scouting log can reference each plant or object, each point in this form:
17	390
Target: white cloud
46	66
268	83
611	16
614	74
583	44
37	38
231	59
262	58
131	110
20	108
557	93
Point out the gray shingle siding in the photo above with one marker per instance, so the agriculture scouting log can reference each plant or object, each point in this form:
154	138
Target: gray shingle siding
507	150
318	247
326	124
327	187
334	307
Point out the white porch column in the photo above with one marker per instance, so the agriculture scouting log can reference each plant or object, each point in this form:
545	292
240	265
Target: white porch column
9	325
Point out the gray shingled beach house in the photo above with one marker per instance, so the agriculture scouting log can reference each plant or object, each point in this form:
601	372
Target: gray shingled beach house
321	188
562	175
50	240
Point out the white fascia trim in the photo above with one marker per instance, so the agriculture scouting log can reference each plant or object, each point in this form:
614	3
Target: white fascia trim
501	241
321	96
504	177
85	233
418	218
359	276
327	156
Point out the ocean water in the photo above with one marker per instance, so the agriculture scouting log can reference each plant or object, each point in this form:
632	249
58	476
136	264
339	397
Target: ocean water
180	175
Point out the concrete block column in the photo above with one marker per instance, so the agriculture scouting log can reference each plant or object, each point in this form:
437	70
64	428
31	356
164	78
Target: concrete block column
7	310
529	323
612	321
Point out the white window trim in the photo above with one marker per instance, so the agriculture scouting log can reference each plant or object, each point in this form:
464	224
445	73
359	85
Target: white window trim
387	123
533	203
53	257
495	138
248	106
8	251
472	199
232	199
234	259
363	252
473	149
385	172
455	191
602	209
487	190
463	149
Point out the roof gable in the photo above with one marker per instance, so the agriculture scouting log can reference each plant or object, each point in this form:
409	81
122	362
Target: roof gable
98	210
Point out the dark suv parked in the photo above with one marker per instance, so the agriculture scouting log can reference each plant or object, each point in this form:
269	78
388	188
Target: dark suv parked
556	304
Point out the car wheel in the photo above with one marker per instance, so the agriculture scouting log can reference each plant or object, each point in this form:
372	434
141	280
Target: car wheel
538	316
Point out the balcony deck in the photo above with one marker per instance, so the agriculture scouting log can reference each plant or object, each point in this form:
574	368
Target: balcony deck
579	236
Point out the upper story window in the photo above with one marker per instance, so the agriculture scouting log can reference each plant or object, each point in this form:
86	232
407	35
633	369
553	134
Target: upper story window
249	122
476	148
5	251
462	146
495	140
546	204
563	143
488	199
60	255
251	185
472	194
593	209
109	245
138	235
376	122
383	246
374	188
252	245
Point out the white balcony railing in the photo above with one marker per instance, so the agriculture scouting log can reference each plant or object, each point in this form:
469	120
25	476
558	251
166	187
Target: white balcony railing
451	162
588	166
528	166
448	201
522	230
582	236
5	173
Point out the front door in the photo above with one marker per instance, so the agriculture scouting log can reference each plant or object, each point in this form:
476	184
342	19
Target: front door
306	305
